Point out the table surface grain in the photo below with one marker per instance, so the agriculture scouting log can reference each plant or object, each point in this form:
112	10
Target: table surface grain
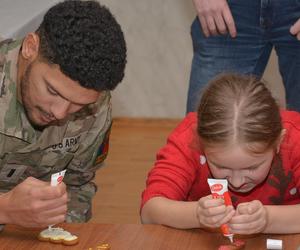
134	237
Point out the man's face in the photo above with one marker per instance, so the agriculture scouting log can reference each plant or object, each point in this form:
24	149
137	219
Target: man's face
48	95
243	170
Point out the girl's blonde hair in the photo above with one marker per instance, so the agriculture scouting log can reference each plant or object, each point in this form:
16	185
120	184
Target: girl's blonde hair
238	109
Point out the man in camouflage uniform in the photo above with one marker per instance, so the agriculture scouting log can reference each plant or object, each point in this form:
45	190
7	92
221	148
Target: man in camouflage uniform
55	112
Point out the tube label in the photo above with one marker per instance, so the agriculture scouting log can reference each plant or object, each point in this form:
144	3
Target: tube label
219	190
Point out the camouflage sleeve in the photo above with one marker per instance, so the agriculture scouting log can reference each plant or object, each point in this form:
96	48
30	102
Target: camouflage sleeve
81	170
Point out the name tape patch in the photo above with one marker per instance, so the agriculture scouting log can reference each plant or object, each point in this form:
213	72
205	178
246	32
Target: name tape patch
67	143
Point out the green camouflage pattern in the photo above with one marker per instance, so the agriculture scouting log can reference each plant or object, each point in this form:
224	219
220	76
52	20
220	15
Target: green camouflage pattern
71	145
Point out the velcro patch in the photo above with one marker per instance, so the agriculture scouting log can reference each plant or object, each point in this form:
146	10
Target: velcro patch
103	149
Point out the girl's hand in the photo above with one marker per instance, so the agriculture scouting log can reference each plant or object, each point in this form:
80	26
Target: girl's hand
213	213
250	218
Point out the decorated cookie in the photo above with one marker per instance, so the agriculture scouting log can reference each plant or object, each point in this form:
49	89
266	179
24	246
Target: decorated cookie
58	235
236	245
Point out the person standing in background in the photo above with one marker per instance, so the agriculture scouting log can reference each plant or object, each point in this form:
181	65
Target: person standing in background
238	36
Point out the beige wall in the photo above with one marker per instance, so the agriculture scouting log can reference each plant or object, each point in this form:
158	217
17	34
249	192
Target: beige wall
159	58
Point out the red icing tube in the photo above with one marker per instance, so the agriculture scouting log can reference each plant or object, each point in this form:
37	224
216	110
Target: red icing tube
219	189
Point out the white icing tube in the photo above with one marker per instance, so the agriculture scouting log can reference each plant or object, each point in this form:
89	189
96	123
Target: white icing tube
57	178
219	189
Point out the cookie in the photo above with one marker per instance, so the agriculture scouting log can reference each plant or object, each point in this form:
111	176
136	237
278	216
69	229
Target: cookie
58	235
236	245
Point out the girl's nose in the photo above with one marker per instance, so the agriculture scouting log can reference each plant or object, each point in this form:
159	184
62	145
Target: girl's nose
236	180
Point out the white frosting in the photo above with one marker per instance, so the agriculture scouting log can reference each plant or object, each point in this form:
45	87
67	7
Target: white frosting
57	233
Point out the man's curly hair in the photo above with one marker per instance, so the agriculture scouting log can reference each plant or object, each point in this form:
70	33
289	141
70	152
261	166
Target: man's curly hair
86	41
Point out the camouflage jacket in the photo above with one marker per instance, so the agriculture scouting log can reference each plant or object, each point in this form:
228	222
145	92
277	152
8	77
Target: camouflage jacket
77	145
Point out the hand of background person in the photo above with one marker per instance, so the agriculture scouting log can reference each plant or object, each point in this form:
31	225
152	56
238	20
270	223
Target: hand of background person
34	203
213	213
250	218
295	29
215	17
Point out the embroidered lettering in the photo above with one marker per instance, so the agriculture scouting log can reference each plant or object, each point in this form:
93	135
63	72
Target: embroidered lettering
65	144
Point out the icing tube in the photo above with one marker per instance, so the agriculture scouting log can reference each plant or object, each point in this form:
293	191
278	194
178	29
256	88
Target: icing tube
219	189
57	178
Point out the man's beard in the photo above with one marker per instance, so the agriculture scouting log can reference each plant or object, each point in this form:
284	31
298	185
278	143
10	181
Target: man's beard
25	99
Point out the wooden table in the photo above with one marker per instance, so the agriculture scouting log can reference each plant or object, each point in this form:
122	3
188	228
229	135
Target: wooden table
134	237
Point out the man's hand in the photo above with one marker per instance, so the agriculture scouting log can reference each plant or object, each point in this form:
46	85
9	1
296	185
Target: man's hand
215	17
213	213
295	29
250	218
34	203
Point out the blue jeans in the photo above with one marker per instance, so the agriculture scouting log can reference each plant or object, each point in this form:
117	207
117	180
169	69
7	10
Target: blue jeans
261	25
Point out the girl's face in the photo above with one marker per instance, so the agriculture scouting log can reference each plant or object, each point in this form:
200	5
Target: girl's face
242	169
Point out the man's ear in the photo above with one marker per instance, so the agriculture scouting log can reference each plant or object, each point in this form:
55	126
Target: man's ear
30	47
280	139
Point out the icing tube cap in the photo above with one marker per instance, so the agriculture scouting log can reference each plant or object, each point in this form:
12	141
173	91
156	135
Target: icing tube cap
274	244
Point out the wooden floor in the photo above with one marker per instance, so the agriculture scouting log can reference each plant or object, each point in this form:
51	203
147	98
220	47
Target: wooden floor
133	146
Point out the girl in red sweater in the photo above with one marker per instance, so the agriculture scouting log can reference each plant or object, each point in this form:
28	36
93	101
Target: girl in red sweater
238	134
